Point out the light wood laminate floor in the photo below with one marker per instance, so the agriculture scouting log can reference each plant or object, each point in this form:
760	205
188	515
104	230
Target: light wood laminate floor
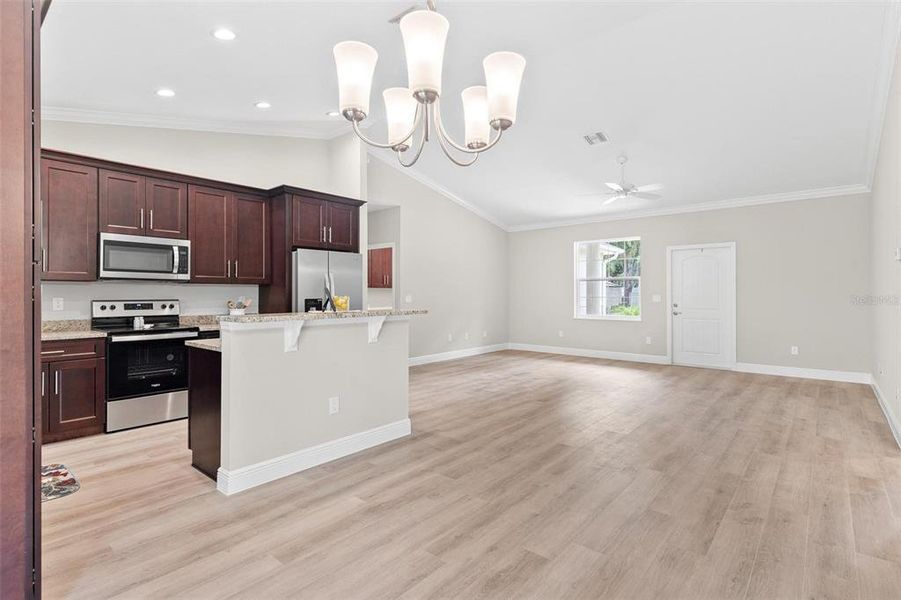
528	476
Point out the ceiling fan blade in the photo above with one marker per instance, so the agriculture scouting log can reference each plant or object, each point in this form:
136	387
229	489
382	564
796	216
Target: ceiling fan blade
647	196
651	187
611	200
615	187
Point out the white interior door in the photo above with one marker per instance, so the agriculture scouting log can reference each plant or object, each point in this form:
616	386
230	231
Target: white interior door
702	310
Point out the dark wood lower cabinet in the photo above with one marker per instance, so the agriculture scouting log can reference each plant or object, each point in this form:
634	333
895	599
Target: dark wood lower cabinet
205	410
73	389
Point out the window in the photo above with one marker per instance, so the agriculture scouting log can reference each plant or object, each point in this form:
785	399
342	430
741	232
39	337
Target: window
608	279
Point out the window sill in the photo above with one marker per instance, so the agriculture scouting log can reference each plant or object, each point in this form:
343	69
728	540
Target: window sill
606	318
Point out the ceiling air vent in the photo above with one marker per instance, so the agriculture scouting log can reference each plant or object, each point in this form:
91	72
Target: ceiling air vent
596	138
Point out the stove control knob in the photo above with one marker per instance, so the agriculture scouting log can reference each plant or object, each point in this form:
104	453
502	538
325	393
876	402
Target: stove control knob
171	306
112	307
103	307
162	306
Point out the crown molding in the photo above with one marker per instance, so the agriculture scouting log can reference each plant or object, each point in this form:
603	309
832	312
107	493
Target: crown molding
435	186
828	192
891	33
99	117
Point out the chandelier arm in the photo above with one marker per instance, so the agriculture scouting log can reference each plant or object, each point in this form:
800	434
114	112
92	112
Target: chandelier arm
422	140
443	134
416	120
447	153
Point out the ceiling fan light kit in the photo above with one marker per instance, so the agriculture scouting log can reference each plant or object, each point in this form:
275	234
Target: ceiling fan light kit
418	106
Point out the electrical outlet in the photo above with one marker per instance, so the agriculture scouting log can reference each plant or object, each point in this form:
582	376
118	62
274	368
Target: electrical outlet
560	333
795	351
879	369
656	298
408	299
647	340
333	406
59	304
466	336
450	337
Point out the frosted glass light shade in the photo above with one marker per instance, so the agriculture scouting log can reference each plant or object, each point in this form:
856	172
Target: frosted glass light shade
475	116
503	75
400	111
355	62
424	33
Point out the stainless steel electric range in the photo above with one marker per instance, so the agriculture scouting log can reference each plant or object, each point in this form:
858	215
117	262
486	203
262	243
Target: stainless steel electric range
146	361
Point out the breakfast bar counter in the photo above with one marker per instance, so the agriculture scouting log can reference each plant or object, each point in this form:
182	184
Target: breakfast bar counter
297	390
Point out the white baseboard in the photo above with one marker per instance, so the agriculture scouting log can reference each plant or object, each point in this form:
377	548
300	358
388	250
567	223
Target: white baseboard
232	482
804	373
887	411
656	359
454	354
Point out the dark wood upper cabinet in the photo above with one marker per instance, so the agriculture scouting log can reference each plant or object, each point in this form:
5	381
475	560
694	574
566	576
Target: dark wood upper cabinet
308	222
209	224
343	227
229	235
380	268
250	242
121	203
167	209
69	200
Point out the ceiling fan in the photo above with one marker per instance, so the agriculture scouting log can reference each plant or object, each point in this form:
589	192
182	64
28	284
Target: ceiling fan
623	189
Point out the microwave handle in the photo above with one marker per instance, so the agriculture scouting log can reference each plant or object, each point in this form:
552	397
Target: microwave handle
175	259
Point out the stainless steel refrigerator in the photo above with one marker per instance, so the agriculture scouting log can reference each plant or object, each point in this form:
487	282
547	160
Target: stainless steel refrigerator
316	272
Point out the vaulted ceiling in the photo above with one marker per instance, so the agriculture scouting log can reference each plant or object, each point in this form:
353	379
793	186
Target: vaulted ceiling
717	101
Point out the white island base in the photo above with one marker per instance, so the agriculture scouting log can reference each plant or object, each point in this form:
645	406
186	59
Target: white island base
300	390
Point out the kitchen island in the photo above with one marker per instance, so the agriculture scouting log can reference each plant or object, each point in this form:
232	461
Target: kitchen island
297	390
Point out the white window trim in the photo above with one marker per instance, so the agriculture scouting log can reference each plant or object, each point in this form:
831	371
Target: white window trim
575	288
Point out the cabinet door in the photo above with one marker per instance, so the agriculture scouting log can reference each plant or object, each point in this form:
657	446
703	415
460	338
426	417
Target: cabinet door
374	269
342	226
69	198
308	219
250	243
209	223
388	266
167	209
121	203
76	396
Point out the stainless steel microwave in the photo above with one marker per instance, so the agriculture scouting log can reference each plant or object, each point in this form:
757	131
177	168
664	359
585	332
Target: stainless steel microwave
143	257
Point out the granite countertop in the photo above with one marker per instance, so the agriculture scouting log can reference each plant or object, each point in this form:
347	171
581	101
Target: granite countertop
74	329
321	316
214	345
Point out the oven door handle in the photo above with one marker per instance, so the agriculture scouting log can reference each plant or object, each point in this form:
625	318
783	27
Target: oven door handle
160	336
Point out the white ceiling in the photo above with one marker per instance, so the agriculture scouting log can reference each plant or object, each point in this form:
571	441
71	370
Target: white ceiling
718	101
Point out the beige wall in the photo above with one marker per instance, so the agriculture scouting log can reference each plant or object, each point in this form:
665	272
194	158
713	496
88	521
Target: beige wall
885	279
452	263
798	265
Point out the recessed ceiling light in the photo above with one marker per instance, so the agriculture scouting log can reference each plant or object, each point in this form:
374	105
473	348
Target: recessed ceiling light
263	104
165	92
332	113
224	34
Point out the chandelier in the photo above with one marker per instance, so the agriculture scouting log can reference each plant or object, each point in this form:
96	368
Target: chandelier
418	106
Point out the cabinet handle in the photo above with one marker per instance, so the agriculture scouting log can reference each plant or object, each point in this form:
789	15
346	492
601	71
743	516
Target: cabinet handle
43	259
229	263
56	383
330	234
142	218
323	233
52	352
43	381
151	219
236	268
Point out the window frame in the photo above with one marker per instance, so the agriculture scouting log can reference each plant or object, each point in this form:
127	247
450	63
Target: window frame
576	280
